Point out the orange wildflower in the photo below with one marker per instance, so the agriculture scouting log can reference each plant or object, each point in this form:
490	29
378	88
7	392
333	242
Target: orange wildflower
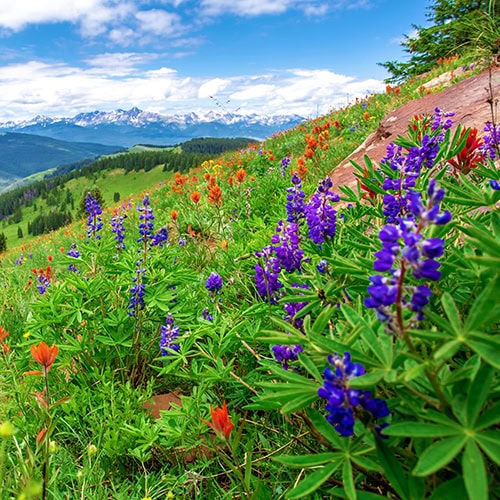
388	89
215	195
44	355
241	175
221	421
195	196
174	214
3	335
366	115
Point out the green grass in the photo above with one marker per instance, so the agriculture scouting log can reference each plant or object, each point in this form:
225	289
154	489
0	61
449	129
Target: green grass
109	182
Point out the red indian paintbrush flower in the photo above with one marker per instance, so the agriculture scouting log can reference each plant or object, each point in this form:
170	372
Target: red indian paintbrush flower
44	355
221	421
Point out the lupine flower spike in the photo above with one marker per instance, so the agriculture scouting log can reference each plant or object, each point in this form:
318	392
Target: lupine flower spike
343	403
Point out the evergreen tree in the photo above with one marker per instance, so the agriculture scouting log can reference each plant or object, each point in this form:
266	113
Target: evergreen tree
3	243
457	27
20	232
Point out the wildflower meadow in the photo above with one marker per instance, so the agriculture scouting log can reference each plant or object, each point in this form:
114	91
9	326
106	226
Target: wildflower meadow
314	340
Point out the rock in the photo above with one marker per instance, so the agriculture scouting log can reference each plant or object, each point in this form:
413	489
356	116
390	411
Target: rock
469	99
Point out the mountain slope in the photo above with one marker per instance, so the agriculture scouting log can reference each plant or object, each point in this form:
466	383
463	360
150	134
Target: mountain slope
26	154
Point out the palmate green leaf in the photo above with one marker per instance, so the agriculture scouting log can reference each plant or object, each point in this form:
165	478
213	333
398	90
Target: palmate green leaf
371	340
307	461
323	318
366	463
474	472
451	311
326	430
310	367
489	441
313	481
487	261
368	380
478	392
392	469
362	495
486	308
489	417
486	346
422	430
453	490
298	403
438	455
447	350
348	481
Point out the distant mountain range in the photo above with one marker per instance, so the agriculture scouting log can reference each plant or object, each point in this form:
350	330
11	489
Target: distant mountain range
135	126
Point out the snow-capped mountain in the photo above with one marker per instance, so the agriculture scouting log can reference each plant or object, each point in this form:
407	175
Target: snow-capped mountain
133	126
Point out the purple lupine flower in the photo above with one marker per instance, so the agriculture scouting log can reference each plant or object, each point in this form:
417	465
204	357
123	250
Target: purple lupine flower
494	184
146	219
344	403
119	230
404	249
73	251
292	308
160	238
438	120
168	336
205	314
287	249
295	200
321	217
94	220
137	292
286	353
19	260
285	162
322	266
267	275
491	141
214	283
43	283
72	268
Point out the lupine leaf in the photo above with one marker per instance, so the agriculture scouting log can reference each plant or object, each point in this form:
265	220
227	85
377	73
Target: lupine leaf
486	348
348	480
489	441
313	481
306	461
326	430
485	308
310	367
489	417
478	392
451	311
421	430
438	455
474	472
300	402
453	489
393	470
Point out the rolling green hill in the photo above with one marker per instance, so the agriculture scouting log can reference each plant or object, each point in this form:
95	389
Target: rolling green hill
26	154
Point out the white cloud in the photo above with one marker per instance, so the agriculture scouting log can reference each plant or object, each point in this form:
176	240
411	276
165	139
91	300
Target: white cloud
212	87
90	13
114	81
159	22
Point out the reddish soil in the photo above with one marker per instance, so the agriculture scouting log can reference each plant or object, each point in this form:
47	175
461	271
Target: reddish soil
468	99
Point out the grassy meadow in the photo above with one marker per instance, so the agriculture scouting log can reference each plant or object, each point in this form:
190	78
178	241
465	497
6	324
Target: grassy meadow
312	341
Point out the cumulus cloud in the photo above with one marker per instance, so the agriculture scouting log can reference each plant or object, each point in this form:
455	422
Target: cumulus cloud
112	81
91	14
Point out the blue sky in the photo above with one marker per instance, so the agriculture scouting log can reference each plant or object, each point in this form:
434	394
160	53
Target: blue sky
62	57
